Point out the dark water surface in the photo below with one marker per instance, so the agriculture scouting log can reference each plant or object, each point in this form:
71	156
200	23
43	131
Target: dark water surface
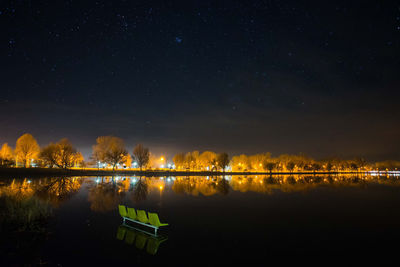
252	220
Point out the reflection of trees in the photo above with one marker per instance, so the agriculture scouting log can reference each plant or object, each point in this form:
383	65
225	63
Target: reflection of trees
20	209
140	190
223	186
23	222
297	183
57	190
105	196
200	185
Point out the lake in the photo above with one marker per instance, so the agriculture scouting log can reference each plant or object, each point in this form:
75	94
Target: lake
254	220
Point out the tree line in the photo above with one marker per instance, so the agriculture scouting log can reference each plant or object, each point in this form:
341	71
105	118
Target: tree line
110	151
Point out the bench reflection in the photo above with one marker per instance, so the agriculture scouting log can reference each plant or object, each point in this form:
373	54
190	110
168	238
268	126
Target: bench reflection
140	238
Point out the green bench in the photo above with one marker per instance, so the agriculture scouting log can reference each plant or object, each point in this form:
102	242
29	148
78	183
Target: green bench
141	217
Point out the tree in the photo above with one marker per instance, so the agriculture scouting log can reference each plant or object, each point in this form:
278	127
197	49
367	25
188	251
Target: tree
61	154
179	160
191	159
48	155
109	149
141	155
78	160
6	155
65	154
269	165
27	149
206	159
116	153
127	160
240	163
223	161
290	166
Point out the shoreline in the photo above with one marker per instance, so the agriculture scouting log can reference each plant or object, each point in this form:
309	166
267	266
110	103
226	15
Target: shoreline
147	173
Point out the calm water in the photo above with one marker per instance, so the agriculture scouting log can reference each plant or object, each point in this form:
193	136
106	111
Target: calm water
254	220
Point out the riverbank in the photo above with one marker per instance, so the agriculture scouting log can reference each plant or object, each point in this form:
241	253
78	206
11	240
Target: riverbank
21	172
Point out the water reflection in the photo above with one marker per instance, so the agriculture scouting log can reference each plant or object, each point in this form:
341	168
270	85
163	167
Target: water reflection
140	190
105	193
140	238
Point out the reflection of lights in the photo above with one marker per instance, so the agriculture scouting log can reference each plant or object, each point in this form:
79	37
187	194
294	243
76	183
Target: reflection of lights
162	165
162	178
173	166
169	165
135	163
134	180
168	180
29	181
161	187
162	158
97	180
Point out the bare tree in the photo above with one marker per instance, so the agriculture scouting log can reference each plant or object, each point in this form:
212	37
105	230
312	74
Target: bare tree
141	155
65	154
109	149
48	155
27	149
62	154
179	160
223	161
6	155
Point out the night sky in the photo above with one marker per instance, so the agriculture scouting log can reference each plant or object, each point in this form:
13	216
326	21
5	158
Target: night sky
317	77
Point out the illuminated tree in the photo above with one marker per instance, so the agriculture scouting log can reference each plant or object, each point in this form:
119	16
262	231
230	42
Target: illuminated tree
61	154
269	165
179	160
206	159
141	155
65	153
191	159
78	159
223	161
290	166
255	162
109	149
117	152
6	155
240	163
48	155
127	160
27	149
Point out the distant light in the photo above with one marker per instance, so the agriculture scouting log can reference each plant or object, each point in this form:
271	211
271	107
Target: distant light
162	165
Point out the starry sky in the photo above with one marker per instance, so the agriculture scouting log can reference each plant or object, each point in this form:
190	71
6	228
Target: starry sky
316	77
